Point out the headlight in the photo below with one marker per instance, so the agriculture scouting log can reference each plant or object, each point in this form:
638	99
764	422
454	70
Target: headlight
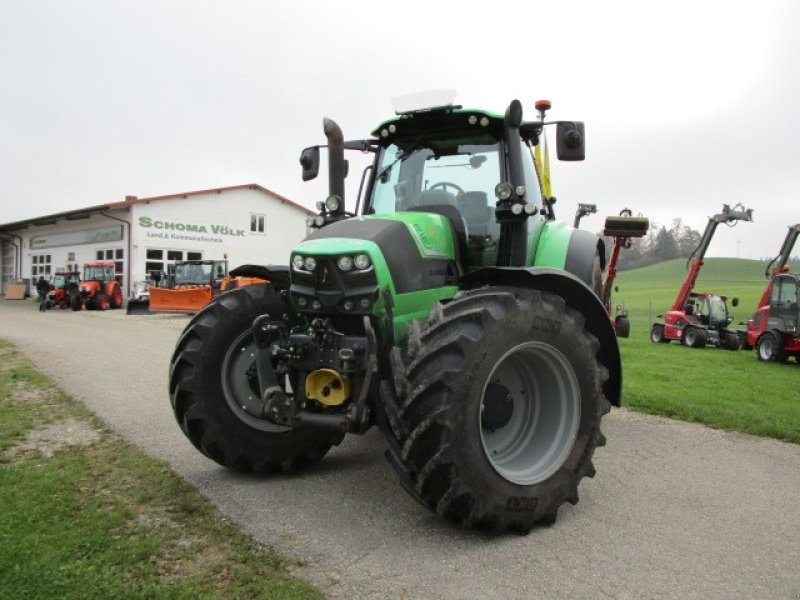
297	261
333	203
310	263
361	261
319	221
503	191
345	263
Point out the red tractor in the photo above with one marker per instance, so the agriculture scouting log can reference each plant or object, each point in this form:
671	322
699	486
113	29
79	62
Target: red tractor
63	285
774	329
99	289
622	229
700	318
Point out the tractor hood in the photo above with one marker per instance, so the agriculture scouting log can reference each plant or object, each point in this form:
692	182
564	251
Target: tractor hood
89	288
405	252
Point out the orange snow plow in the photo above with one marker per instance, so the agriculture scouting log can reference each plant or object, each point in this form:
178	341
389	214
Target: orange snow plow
195	283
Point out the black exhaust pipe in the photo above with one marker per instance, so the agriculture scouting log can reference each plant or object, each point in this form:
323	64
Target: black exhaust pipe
337	167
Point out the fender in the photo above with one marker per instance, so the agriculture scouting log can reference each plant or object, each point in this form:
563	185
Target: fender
275	274
578	296
573	250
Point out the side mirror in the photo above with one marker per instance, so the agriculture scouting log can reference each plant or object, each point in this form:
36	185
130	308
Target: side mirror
309	160
570	140
735	302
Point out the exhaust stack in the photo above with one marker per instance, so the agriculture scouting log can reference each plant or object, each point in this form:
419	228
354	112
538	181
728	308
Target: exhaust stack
337	166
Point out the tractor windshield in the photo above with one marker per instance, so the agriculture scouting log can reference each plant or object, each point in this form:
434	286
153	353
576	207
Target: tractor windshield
98	273
59	281
435	173
193	274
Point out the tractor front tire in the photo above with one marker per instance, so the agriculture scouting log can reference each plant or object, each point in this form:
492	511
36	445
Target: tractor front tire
657	334
212	377
495	408
769	348
115	299
75	301
100	302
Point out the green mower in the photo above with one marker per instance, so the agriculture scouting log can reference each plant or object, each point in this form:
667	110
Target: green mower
450	308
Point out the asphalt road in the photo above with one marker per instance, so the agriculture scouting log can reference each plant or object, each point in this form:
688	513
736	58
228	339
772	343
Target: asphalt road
676	510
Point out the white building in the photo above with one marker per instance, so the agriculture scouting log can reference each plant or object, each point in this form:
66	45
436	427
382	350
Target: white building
247	224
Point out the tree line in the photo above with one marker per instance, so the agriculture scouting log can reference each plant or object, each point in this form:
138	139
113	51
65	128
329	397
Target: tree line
664	243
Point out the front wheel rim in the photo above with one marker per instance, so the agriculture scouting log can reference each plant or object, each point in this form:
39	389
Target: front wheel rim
542	423
765	349
240	383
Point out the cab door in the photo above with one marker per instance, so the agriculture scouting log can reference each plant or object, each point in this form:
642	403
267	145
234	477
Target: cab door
783	303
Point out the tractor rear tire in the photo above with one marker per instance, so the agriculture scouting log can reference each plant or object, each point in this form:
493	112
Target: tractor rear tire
731	341
694	337
769	348
495	408
212	376
622	326
657	334
75	301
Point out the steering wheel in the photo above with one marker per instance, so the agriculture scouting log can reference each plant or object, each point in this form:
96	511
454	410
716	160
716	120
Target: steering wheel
460	193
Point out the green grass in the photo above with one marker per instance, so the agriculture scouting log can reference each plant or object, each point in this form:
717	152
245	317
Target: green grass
727	390
106	521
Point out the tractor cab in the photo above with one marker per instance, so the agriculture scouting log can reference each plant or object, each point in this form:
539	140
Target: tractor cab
64	281
453	176
98	271
783	304
200	272
709	310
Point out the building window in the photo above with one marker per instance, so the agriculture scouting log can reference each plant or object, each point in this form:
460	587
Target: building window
113	254
159	259
256	223
40	265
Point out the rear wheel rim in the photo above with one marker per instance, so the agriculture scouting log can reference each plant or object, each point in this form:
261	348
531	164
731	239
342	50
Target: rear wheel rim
540	431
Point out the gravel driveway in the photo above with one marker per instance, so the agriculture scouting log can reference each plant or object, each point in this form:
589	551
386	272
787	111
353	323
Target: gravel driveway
676	510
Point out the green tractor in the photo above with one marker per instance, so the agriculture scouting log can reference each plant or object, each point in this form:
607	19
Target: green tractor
449	308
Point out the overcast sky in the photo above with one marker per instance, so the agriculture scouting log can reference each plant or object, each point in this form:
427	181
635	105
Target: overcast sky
688	105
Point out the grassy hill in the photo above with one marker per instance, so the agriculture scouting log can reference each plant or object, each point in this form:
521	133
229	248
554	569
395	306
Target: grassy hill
728	390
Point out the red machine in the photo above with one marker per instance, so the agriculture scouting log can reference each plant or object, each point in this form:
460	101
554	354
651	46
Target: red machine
63	285
773	328
700	318
622	229
99	289
583	210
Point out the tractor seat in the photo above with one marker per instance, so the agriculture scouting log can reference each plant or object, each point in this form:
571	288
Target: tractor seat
436	197
476	212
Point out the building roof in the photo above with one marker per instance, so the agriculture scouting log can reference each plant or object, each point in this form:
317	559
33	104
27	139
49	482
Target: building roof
82	213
